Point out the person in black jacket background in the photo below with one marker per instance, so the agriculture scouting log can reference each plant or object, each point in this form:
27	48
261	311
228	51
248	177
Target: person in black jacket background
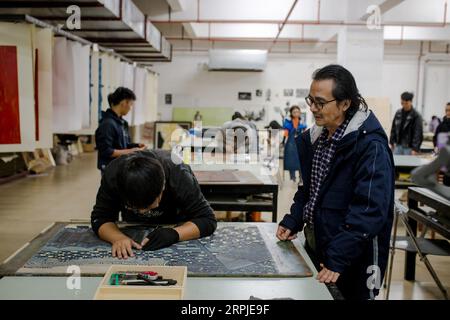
112	136
148	187
444	126
407	128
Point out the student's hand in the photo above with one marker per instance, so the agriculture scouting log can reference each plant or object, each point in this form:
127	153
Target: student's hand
122	248
142	146
136	149
326	275
414	153
285	234
160	238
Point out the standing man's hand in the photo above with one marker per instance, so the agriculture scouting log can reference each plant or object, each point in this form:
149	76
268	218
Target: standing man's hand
284	234
122	247
392	146
327	276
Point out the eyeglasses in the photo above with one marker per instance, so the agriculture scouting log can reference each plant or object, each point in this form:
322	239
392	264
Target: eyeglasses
319	104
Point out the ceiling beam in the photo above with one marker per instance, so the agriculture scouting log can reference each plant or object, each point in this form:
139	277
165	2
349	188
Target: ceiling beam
283	24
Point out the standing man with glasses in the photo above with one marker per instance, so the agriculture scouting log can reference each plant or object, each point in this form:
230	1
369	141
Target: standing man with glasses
148	187
345	205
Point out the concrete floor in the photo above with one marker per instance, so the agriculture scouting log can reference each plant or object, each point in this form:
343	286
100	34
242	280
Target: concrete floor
66	193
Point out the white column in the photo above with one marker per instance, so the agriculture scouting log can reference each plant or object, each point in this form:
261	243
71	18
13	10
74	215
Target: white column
360	50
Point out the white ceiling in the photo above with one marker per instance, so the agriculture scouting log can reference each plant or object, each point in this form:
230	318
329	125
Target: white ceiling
243	23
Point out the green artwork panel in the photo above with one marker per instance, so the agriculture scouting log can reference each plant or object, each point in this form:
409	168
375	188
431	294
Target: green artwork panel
211	116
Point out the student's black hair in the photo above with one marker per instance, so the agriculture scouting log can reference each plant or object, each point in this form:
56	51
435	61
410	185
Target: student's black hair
274	125
292	109
407	96
237	115
344	87
448	103
140	180
120	94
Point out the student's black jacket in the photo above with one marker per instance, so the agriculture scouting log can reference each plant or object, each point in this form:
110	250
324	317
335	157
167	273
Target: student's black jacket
411	132
111	134
182	199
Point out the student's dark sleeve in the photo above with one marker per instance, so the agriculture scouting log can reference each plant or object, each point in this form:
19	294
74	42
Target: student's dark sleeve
417	134
294	220
438	130
104	139
129	144
393	138
191	200
107	206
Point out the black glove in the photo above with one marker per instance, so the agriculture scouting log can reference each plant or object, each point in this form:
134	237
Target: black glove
161	238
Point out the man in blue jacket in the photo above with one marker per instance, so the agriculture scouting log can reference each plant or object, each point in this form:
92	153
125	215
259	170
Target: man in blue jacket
345	205
112	136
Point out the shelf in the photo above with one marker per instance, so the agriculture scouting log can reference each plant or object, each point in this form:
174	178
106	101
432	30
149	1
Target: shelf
114	24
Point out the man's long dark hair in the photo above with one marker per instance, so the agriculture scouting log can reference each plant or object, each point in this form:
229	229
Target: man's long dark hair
344	87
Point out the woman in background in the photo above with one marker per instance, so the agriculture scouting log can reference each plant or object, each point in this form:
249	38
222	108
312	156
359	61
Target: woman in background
292	128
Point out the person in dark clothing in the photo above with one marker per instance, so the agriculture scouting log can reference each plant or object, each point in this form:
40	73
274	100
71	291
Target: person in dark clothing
292	128
407	128
345	206
444	126
112	136
148	187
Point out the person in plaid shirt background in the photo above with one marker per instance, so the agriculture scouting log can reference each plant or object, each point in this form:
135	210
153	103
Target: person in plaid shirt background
345	205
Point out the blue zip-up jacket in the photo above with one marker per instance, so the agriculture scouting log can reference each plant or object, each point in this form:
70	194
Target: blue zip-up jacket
354	212
112	133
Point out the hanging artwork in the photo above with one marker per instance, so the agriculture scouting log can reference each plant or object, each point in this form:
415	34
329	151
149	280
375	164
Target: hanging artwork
36	94
127	81
81	74
66	115
268	95
163	138
139	91
301	93
9	96
151	97
17	120
168	98
288	92
43	42
245	96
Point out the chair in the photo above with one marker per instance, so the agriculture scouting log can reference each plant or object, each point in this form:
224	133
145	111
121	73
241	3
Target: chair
419	245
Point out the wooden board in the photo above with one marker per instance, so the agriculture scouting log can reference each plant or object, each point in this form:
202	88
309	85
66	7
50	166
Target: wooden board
216	176
226	177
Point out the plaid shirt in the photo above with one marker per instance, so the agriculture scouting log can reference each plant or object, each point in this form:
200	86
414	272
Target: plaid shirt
321	164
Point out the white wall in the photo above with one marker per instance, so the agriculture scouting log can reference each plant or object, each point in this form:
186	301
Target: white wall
399	74
192	85
437	88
